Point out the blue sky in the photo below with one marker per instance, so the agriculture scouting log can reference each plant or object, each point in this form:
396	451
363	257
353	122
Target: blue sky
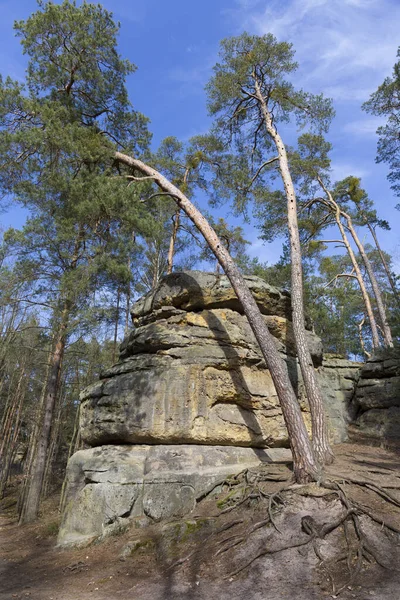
345	48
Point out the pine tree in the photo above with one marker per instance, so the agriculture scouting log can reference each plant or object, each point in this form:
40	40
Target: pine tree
250	97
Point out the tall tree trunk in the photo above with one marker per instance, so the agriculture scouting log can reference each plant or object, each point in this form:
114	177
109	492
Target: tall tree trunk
385	265
11	430
387	334
320	437
171	251
367	302
128	292
30	508
114	354
360	336
305	466
53	447
34	439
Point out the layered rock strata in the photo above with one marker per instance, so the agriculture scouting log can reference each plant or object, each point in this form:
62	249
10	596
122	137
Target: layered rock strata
191	372
190	402
377	399
110	485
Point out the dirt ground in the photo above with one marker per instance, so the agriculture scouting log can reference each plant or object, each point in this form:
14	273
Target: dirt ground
249	540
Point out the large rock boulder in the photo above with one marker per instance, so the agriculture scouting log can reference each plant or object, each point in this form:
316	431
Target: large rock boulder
192	371
190	402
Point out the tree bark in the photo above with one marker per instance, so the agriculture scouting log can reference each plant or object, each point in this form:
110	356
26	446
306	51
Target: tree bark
34	439
320	437
53	449
71	450
305	466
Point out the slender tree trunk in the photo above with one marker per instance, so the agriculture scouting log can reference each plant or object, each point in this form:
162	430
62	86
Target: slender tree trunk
114	354
320	437
30	508
127	310
385	265
171	251
11	431
53	448
156	266
360	335
387	334
367	302
34	439
7	418
305	466
128	296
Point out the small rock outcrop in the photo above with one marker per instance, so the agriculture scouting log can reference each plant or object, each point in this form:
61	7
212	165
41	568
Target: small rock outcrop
189	402
377	399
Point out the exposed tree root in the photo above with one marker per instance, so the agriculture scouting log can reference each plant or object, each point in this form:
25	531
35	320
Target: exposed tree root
358	548
344	545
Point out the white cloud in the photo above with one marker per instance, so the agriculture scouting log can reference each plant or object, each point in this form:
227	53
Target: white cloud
345	47
340	170
363	127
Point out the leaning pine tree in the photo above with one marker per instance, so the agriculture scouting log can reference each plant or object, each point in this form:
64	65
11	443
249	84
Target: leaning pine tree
250	97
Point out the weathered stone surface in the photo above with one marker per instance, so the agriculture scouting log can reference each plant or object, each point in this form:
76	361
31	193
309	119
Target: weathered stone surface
204	399
338	379
196	290
214	327
192	377
381	424
167	401
378	396
379	385
110	484
378	393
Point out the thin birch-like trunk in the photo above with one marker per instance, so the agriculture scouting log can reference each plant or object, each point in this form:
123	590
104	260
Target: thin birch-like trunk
71	450
361	338
34	438
53	449
11	430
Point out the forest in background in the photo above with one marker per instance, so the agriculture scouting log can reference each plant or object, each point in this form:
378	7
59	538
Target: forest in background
98	236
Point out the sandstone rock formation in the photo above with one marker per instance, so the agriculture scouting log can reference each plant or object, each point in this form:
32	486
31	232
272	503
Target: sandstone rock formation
191	388
377	399
192	372
109	485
